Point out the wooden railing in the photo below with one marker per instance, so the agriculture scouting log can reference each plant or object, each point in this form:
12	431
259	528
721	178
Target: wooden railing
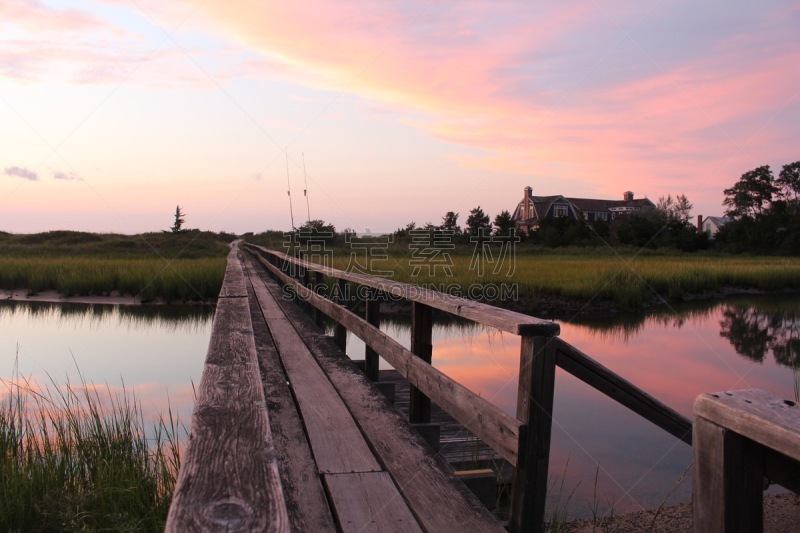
524	440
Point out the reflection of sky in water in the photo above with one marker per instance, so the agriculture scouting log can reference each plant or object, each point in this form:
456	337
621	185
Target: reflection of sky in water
156	351
674	355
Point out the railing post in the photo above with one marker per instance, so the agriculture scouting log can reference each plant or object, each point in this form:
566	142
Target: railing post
419	410
535	411
318	279
340	332
373	316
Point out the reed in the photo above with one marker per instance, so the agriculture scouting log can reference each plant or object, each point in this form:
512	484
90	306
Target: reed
145	278
78	458
631	280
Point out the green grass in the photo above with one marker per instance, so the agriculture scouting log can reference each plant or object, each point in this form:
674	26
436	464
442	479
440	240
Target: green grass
77	458
173	267
631	278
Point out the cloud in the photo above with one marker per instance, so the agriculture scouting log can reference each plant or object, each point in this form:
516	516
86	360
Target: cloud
71	176
596	94
21	172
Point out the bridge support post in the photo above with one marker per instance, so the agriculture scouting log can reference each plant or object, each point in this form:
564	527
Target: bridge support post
340	332
318	279
422	345
535	411
373	316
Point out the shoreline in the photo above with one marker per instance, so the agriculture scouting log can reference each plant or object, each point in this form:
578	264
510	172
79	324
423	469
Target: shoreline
22	295
781	512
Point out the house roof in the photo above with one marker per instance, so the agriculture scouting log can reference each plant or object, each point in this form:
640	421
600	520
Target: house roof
719	221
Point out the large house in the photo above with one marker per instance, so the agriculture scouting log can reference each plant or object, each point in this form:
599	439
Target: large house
533	209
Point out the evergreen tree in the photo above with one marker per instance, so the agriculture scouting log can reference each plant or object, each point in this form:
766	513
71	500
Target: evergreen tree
180	218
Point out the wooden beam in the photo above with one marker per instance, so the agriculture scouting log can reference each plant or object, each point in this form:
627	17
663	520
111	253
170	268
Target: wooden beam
503	319
369	502
535	411
485	420
230	438
340	332
727	481
622	391
419	410
373	317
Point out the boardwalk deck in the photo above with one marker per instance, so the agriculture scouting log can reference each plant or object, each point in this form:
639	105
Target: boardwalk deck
377	474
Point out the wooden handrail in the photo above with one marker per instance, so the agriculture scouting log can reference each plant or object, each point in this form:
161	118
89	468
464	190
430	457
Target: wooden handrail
502	319
523	441
622	391
497	429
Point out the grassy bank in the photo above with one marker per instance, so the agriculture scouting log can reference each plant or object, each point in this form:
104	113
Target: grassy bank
79	459
184	267
630	278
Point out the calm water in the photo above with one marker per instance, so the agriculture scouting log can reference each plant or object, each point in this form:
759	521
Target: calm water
155	351
674	354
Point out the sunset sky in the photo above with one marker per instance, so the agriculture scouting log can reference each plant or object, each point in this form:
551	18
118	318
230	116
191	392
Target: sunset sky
112	112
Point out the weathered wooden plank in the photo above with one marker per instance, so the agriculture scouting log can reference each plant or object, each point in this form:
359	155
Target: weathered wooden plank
622	391
535	411
479	416
233	285
424	479
727	480
422	345
229	478
303	492
369	502
503	319
757	415
373	317
335	439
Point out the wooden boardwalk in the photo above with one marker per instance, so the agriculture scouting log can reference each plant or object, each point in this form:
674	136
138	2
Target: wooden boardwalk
288	434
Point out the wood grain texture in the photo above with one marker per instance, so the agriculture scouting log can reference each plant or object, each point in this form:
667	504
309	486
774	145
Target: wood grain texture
535	411
229	478
485	420
727	480
757	415
503	319
303	492
335	439
422	346
427	482
369	502
233	285
622	391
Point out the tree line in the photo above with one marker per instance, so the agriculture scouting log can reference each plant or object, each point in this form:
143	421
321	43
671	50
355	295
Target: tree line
763	213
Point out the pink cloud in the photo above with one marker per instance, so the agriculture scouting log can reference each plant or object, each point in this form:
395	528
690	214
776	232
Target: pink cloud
527	87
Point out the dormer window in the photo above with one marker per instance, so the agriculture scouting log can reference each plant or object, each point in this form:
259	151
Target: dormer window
560	211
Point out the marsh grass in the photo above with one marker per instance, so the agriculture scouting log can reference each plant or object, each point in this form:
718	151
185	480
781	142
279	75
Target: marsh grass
79	458
626	277
147	279
173	267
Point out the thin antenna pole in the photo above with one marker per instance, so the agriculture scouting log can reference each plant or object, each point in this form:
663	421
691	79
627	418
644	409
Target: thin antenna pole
305	191
289	189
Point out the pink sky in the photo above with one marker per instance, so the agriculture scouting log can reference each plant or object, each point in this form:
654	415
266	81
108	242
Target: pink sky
111	112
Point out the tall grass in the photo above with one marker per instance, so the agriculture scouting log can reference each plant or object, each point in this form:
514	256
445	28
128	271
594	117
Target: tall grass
147	278
77	458
628	279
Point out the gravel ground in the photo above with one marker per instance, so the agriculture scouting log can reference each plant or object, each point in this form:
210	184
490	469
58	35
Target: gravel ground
781	515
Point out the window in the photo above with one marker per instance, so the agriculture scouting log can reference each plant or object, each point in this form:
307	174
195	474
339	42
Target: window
560	211
601	216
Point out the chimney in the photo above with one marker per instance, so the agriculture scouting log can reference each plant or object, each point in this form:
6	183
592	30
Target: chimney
627	196
700	224
526	206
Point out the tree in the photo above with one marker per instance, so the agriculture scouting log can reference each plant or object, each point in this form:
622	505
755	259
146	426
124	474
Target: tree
450	223
678	209
180	218
504	224
789	183
750	196
477	221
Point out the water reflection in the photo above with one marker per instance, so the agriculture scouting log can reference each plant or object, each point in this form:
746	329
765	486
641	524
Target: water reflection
673	353
156	352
